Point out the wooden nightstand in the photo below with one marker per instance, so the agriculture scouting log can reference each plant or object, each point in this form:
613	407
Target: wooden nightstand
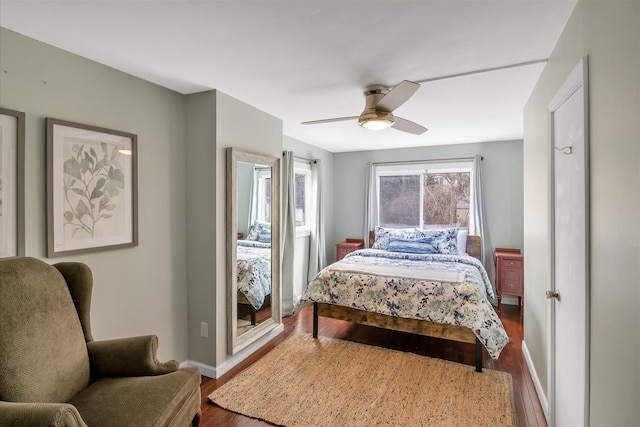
509	274
347	247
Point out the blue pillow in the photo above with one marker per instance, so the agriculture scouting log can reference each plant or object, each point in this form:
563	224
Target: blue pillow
257	228
384	236
414	246
444	240
264	236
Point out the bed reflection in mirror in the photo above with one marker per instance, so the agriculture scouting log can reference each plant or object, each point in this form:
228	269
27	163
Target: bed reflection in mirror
253	250
253	247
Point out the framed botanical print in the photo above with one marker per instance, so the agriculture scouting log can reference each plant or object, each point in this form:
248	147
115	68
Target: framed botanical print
12	128
91	188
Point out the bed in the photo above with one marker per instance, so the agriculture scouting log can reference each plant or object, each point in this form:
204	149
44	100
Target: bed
416	281
254	274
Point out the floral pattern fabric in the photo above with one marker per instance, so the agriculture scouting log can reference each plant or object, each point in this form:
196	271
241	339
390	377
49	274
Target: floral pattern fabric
463	304
254	271
257	229
443	241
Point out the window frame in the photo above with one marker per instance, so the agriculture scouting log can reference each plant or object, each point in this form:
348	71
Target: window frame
304	168
421	169
262	175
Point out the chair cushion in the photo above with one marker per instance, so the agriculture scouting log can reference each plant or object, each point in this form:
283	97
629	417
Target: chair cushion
43	353
162	400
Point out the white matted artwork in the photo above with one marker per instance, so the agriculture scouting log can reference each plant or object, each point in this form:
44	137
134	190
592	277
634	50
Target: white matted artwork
11	183
91	188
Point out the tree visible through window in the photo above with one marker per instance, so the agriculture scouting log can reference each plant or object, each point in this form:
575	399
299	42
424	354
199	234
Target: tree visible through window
400	201
264	194
300	195
447	198
424	195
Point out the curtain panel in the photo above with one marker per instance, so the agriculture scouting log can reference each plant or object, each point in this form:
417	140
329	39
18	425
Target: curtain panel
481	223
288	229
317	251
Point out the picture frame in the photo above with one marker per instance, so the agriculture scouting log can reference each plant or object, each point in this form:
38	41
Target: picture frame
92	184
12	142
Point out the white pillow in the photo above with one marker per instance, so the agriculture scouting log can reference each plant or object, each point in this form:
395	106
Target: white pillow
462	241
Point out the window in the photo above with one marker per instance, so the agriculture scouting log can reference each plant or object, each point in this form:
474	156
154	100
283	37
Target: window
400	198
423	195
447	198
302	195
264	194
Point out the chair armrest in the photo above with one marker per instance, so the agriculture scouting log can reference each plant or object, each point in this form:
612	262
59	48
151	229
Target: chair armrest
39	414
127	357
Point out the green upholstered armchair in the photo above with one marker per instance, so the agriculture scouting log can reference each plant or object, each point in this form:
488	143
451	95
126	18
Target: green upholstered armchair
52	372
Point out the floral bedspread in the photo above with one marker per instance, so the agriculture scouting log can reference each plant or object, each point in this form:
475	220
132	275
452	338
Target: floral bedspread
254	271
464	303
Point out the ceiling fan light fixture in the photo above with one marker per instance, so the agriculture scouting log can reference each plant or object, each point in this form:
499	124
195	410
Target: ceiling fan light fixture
376	121
379	105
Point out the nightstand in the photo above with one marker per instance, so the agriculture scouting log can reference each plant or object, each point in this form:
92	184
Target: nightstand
347	247
509	273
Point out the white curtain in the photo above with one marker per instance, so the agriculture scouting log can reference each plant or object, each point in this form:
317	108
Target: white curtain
370	203
288	232
480	222
317	252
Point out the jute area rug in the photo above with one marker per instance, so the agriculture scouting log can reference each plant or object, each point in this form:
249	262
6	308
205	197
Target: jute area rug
330	382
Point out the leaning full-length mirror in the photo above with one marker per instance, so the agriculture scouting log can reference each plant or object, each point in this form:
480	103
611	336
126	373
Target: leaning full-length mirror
253	247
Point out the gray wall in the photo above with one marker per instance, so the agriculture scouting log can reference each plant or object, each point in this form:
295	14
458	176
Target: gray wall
502	179
609	32
201	224
216	121
137	291
176	277
264	136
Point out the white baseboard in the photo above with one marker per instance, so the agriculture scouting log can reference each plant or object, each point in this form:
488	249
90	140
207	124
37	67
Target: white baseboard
536	380
206	370
228	364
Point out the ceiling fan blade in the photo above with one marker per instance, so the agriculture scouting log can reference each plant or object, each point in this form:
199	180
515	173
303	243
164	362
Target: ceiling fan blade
397	96
337	119
408	126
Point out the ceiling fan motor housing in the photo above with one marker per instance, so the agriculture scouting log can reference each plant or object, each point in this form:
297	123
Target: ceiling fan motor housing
371	112
372	96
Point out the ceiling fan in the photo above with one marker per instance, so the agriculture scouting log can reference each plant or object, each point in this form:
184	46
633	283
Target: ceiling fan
380	102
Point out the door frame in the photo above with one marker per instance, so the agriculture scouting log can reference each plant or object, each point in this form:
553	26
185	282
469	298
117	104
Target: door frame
577	79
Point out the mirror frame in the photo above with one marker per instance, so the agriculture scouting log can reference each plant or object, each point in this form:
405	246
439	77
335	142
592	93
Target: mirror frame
236	343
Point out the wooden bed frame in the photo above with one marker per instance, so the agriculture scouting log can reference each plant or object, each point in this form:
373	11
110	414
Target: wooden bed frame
414	326
242	299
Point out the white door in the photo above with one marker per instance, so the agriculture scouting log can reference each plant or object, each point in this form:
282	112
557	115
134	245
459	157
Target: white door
569	223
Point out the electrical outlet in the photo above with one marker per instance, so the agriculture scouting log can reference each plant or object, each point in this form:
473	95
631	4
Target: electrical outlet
204	329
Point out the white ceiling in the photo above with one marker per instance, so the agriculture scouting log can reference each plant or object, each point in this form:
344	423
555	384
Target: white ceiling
304	60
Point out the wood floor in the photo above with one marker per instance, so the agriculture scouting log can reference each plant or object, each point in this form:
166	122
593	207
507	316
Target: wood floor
528	407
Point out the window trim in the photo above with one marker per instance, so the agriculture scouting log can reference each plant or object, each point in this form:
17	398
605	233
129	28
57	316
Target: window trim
261	175
421	168
304	168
